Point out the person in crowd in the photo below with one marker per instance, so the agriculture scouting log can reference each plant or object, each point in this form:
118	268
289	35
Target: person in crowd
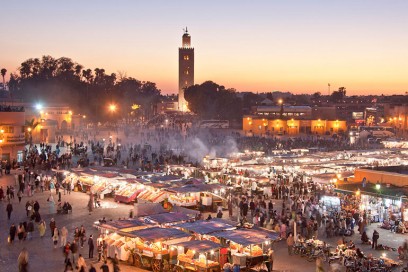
12	233
376	236
55	237
22	261
53	225
91	246
20	232
30	229
74	250
9	209
290	242
104	266
41	228
81	264
64	235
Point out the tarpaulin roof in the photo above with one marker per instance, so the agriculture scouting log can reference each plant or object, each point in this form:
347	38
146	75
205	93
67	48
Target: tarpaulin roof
246	237
157	234
165	178
164	218
196	188
124	224
185	189
199	245
206	227
146	209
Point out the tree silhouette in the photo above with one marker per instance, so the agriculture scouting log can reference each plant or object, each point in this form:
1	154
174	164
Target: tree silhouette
3	74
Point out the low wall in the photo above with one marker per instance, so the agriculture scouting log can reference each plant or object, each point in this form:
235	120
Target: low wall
383	177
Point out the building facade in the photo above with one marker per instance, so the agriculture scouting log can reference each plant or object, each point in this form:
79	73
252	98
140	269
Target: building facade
186	69
12	133
257	125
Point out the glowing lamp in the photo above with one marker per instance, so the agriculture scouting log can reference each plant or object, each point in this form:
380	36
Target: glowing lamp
38	106
378	186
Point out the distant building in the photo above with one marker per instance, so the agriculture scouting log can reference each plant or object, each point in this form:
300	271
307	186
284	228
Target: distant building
12	133
268	126
286	112
186	69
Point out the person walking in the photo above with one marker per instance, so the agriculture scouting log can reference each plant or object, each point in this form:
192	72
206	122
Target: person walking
19	195
82	235
20	232
105	267
30	229
115	263
91	246
55	237
51	204
41	228
290	242
376	236
81	264
22	261
74	250
92	268
12	233
53	225
64	235
9	209
271	257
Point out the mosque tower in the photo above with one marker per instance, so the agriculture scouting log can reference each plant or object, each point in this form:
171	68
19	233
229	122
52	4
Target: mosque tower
186	69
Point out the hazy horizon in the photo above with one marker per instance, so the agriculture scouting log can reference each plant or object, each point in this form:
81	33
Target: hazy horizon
261	46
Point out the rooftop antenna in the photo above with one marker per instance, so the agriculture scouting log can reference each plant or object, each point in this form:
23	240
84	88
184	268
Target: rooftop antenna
185	30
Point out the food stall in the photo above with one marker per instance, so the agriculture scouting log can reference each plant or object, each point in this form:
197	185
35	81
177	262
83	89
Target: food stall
197	255
124	225
168	218
185	196
248	246
118	244
202	229
152	192
151	246
126	193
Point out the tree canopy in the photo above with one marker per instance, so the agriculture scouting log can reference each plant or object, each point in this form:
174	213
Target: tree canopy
212	101
88	91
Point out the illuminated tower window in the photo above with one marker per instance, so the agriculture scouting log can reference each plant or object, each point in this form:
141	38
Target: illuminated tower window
186	58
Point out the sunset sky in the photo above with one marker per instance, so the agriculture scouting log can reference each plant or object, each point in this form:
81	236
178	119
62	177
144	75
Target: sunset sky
259	46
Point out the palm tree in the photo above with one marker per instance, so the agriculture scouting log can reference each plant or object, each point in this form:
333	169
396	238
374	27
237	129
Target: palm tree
3	74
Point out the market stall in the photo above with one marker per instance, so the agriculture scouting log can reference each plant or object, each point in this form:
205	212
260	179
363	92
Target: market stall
125	225
126	193
197	255
248	246
150	249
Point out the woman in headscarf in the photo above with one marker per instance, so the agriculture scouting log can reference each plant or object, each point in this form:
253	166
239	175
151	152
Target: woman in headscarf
41	228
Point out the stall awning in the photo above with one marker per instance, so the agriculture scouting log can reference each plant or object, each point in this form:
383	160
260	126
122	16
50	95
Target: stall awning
147	209
199	245
157	234
246	237
207	227
124	224
164	218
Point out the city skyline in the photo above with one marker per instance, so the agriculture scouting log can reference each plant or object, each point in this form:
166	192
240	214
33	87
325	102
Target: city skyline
262	47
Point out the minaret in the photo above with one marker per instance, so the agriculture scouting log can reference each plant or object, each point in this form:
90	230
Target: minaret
186	69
